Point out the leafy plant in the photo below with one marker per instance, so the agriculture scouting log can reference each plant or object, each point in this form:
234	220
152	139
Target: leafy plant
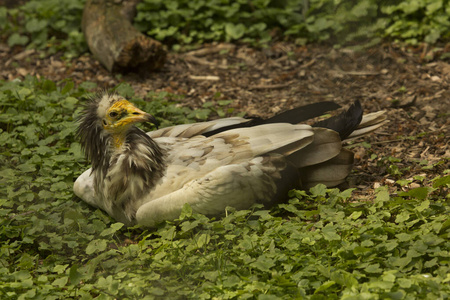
184	22
416	21
197	21
50	25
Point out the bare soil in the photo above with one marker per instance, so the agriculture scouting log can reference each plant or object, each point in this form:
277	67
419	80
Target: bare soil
411	84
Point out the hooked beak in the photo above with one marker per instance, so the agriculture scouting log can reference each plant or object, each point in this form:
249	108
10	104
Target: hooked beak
134	115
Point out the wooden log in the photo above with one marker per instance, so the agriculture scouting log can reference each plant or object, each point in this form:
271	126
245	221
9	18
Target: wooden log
114	41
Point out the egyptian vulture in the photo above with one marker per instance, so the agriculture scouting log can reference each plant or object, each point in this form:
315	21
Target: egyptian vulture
145	178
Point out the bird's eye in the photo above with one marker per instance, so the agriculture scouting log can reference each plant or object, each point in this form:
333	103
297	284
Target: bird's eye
113	114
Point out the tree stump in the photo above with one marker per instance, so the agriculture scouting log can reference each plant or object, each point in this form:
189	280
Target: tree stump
114	41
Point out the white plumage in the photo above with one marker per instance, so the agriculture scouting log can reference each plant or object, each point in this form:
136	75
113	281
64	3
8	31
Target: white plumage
146	179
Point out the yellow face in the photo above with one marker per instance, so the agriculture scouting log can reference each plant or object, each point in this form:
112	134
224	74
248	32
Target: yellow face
120	116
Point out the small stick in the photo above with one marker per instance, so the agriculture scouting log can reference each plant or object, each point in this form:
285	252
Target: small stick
270	86
208	77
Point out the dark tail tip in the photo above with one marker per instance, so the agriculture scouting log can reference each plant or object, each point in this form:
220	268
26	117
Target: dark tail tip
344	123
303	113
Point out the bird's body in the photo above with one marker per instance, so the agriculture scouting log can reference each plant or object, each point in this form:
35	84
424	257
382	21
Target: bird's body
144	178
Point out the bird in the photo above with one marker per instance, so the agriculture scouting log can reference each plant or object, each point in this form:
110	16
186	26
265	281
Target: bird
145	178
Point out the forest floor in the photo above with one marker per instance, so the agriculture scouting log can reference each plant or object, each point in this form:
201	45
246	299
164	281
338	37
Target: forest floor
410	84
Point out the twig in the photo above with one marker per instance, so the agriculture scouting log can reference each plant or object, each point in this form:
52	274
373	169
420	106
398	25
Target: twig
208	77
359	73
23	54
424	151
308	64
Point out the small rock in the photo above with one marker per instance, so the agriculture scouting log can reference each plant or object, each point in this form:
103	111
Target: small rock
414	185
389	181
436	78
22	71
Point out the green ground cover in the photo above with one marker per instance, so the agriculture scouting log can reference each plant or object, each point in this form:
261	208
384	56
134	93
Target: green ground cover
324	244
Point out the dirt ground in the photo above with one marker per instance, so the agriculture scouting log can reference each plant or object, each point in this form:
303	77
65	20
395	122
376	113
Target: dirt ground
411	84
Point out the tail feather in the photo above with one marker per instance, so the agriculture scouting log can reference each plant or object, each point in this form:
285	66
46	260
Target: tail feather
344	123
303	113
325	146
330	173
369	123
